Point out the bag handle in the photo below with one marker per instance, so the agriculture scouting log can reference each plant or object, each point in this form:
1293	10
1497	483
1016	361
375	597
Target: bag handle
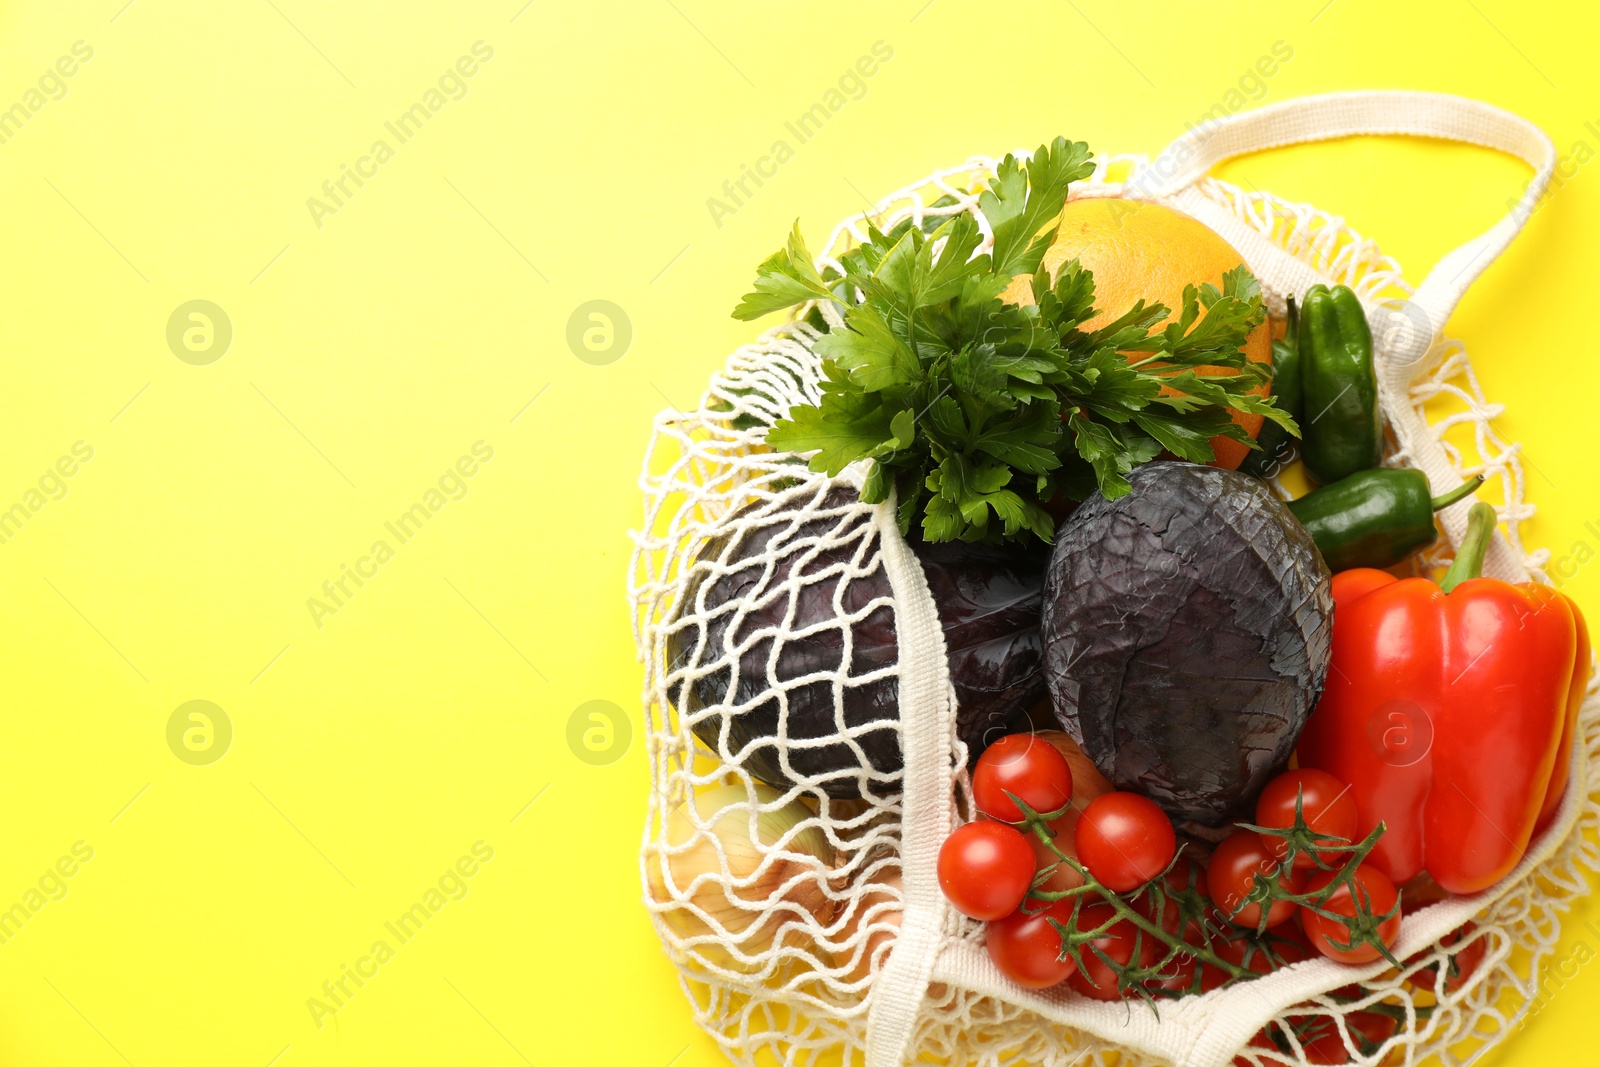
1380	112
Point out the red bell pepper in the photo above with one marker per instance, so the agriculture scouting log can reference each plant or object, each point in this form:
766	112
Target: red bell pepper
1450	710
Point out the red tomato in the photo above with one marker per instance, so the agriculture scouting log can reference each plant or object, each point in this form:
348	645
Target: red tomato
985	869
1087	784
1177	973
1182	873
1175	880
1260	1041
1027	948
1462	964
1242	949
1290	944
1125	840
1087	781
1096	979
1026	767
1322	1043
1326	805
1375	890
1063	876
1231	878
1319	1041
1324	1047
1372	1026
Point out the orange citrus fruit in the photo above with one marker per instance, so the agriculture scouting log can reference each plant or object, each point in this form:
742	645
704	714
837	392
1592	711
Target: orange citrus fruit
1139	250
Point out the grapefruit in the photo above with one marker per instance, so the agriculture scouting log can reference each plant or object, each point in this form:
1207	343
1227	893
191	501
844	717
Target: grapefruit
1139	250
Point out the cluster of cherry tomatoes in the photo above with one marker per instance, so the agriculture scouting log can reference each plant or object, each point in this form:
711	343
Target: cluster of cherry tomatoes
1095	894
1318	1037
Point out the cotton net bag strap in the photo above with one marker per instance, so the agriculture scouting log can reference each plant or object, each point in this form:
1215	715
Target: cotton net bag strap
1206	1031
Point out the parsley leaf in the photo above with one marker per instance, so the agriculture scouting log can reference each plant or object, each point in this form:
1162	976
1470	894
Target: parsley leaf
1019	205
847	426
870	352
977	414
786	278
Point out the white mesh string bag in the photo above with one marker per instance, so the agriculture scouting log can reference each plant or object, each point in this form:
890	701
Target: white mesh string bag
832	943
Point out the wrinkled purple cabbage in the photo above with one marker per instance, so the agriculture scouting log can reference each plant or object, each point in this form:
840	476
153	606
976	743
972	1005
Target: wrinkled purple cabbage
1187	630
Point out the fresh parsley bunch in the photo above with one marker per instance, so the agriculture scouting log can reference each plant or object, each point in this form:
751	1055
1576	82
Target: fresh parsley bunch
978	410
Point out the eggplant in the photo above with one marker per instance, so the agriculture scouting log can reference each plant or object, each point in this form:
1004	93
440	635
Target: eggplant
739	620
1187	631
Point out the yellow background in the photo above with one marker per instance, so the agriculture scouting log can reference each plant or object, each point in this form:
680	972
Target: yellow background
369	353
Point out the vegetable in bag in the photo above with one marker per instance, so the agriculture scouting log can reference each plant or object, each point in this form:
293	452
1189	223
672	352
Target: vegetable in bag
786	657
1475	682
1186	636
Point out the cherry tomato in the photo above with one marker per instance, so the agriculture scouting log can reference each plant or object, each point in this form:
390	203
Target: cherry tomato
1063	876
1087	784
1461	964
1320	1040
985	869
1290	944
1097	979
1326	935
1376	1027
1231	877
1026	767
1087	781
1176	974
1261	1041
1322	1043
1326	805
1372	1026
1184	875
1323	1047
1279	947
1175	880
1027	949
1125	840
1465	962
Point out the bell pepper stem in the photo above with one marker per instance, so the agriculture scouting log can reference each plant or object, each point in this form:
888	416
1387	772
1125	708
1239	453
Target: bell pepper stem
1481	521
1460	492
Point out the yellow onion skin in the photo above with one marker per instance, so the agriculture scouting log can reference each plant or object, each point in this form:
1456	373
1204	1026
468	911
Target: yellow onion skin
709	876
878	911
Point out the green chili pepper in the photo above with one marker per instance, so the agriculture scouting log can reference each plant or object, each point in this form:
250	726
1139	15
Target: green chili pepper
1374	518
1343	429
1276	443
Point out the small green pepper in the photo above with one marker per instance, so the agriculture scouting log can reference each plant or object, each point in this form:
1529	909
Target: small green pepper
1374	518
1276	443
1343	429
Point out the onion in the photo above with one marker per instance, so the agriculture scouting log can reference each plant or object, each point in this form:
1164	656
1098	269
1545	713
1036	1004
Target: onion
878	912
735	868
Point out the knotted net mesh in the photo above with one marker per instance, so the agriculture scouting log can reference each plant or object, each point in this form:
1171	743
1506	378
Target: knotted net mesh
765	615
